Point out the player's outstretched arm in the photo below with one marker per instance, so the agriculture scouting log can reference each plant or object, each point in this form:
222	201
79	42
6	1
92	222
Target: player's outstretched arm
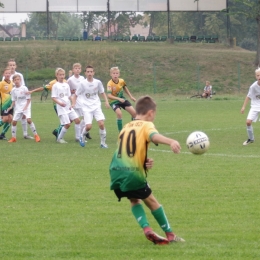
129	93
35	90
161	139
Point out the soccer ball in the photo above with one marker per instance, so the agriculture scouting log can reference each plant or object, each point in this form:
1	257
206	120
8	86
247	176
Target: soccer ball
197	142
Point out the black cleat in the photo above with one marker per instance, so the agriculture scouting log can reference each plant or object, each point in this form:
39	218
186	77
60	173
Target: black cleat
88	135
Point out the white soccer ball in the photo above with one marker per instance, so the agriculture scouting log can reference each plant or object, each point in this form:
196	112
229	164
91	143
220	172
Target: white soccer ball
198	142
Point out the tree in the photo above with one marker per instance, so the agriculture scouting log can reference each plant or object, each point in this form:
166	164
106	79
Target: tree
251	10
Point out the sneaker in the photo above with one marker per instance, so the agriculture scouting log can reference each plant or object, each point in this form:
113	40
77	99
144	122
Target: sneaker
2	137
173	238
156	239
61	141
88	135
55	132
12	140
28	137
103	146
249	141
37	138
82	141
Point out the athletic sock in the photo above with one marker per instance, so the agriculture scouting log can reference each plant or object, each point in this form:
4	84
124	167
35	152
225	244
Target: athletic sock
161	219
250	132
14	131
62	133
140	216
119	124
32	126
5	128
82	125
1	122
24	126
102	134
77	131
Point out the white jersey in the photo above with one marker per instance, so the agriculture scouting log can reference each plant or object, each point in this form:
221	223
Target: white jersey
208	88
88	94
61	91
18	95
254	95
74	83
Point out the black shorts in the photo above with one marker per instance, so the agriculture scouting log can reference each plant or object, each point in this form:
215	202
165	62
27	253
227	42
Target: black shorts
134	194
121	105
6	113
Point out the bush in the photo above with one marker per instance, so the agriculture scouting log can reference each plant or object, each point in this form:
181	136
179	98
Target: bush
249	44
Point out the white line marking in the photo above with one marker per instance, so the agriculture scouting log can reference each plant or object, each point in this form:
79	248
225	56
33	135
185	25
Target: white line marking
212	154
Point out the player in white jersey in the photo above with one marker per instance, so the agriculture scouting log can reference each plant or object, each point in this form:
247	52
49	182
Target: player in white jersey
21	102
254	96
74	82
88	95
61	95
12	65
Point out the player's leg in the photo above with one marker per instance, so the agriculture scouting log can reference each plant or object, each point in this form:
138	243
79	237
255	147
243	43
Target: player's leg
57	130
65	121
17	117
119	120
24	127
131	111
252	117
160	216
100	117
88	118
33	129
6	121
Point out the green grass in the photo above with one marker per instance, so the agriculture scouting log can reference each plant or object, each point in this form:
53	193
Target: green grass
155	67
56	202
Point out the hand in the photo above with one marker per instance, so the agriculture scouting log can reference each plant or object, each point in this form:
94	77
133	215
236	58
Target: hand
149	163
175	146
107	105
121	100
62	104
28	93
132	98
242	110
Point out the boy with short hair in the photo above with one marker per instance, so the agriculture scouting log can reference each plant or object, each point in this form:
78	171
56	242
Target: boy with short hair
130	165
74	82
254	96
87	94
115	93
6	86
21	101
61	95
13	66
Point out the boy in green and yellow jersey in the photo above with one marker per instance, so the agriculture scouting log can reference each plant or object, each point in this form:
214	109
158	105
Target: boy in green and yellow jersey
115	93
129	168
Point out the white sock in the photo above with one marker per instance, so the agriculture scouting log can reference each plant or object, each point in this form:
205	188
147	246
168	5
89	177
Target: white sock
77	131
82	125
103	135
250	132
24	126
14	131
32	126
62	133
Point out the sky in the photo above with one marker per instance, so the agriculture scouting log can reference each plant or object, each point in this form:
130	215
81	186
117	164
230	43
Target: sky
6	18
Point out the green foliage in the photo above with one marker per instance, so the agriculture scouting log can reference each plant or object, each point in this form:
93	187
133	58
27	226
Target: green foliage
56	202
248	44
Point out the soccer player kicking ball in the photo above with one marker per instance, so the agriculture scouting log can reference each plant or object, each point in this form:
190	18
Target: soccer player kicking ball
129	167
87	94
21	102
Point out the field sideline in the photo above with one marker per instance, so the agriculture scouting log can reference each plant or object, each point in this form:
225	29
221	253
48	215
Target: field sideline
56	202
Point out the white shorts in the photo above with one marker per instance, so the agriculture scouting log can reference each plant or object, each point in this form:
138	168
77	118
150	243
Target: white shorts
18	116
253	115
68	118
78	111
97	114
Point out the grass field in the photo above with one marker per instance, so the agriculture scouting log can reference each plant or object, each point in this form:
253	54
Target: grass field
56	202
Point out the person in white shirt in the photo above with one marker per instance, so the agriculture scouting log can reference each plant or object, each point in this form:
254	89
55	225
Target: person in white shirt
11	64
207	90
74	82
21	104
254	96
61	95
88	95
